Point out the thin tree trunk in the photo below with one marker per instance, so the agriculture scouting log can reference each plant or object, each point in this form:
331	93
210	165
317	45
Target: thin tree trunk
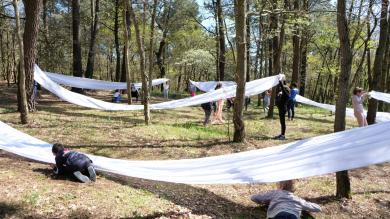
22	95
126	36
94	32
145	90
378	62
77	61
342	178
221	38
248	45
151	43
116	39
30	39
240	20
296	48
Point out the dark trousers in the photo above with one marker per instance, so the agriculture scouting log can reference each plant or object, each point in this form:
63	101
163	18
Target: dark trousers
282	118
285	215
207	114
291	109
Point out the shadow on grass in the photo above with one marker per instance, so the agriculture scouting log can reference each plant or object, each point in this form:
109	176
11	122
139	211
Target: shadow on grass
48	172
200	201
9	209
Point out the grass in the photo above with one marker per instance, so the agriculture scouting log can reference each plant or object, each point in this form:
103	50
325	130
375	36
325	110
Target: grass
28	189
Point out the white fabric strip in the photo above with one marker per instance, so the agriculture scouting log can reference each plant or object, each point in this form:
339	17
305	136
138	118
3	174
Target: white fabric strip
380	96
208	86
324	154
93	84
252	88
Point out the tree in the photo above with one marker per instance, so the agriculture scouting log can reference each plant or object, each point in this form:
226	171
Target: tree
296	47
30	39
94	32
126	33
221	38
240	76
77	62
140	45
151	43
342	178
378	62
116	39
22	96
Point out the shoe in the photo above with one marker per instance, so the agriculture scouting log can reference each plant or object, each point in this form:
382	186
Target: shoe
276	137
92	173
282	137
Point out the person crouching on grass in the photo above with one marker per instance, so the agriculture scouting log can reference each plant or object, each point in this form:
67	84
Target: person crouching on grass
78	164
283	204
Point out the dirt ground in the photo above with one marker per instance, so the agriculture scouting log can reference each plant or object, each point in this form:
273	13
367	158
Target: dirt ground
30	190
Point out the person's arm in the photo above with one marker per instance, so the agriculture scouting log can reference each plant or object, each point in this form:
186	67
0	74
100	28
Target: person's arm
263	197
310	206
59	165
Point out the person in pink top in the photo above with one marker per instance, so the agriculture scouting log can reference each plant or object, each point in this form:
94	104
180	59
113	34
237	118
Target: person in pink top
218	113
358	109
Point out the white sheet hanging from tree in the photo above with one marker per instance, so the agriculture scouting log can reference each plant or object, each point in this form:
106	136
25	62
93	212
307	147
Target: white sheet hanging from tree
252	88
324	154
93	84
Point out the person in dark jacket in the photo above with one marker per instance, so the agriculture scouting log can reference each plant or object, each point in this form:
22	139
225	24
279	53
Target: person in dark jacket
72	162
208	108
281	100
291	101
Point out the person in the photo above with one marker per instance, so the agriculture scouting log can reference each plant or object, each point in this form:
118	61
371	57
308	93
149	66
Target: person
166	89
267	100
192	89
291	101
117	97
281	102
218	113
73	162
283	204
134	92
358	109
208	108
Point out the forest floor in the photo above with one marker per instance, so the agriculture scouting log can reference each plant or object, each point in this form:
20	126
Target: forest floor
28	189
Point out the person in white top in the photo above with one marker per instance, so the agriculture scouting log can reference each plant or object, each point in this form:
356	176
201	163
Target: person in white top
166	89
358	109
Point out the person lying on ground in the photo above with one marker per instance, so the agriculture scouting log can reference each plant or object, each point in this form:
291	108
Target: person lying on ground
72	162
283	204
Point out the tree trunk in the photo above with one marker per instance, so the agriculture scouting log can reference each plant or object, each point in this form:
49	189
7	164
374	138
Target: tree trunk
126	36
22	95
248	44
77	62
94	32
240	20
30	39
145	90
296	47
116	39
151	43
378	62
221	37
385	67
159	56
342	178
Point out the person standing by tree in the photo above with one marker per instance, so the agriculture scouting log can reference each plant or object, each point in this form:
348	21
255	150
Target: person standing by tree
218	113
267	100
291	101
283	93
358	109
166	89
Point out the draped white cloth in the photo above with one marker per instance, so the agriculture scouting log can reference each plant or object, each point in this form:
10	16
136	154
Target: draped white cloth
208	86
324	154
93	84
380	96
252	88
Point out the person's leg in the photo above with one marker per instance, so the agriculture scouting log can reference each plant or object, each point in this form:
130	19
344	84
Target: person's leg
207	114
92	173
364	120
289	109
292	109
285	215
81	177
282	118
359	118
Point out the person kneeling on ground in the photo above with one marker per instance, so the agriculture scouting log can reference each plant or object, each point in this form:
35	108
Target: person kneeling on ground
117	97
283	203
73	162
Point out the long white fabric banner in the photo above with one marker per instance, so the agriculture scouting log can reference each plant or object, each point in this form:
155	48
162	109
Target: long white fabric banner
208	86
252	88
380	96
324	154
93	84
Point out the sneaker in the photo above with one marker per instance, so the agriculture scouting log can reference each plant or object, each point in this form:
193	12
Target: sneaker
276	137
282	137
92	173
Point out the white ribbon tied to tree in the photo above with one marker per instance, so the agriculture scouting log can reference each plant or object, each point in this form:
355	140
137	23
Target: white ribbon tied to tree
324	154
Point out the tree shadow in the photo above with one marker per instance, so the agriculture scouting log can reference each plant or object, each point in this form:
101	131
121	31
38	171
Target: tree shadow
199	200
9	209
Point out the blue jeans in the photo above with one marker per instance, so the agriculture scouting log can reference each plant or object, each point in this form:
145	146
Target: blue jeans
291	109
285	215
